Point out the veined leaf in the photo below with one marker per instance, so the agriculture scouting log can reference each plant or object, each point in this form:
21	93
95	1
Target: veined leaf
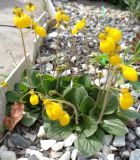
112	105
90	126
91	145
85	80
29	118
114	126
55	131
12	97
129	114
76	95
87	104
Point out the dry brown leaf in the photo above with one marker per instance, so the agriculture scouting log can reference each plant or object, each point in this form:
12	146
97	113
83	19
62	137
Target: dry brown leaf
16	115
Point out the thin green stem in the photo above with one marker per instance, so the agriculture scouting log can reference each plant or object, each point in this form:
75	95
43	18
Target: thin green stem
24	96
25	55
106	98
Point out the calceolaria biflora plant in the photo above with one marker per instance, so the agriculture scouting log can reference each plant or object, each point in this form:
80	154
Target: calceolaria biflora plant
74	103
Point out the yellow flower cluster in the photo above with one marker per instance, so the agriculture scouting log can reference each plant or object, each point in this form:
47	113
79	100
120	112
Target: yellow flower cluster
56	112
109	43
21	20
34	100
61	16
80	25
126	99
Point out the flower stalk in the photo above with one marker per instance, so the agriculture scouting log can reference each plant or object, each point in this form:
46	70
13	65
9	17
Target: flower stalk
106	97
25	55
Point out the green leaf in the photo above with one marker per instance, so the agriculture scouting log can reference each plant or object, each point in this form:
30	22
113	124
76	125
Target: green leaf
92	91
29	118
129	114
114	126
137	50
76	95
112	105
35	79
91	145
87	104
55	131
12	97
90	126
85	80
64	82
49	85
136	85
126	52
23	87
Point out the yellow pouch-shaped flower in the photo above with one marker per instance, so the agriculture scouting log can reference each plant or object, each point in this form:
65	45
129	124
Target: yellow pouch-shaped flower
39	30
22	21
34	100
114	59
74	31
54	111
115	34
58	16
80	25
64	119
65	18
129	73
126	99
107	45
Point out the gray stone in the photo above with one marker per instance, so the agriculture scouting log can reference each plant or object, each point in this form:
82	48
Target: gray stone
41	133
108	139
42	60
135	155
56	154
33	157
125	154
84	66
110	157
30	136
113	148
58	146
65	156
138	143
119	141
33	147
131	137
19	141
8	155
118	158
46	144
138	131
52	35
130	145
74	154
23	159
70	140
3	148
31	152
106	150
49	67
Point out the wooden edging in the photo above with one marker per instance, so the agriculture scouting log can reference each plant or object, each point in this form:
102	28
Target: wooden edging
15	75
